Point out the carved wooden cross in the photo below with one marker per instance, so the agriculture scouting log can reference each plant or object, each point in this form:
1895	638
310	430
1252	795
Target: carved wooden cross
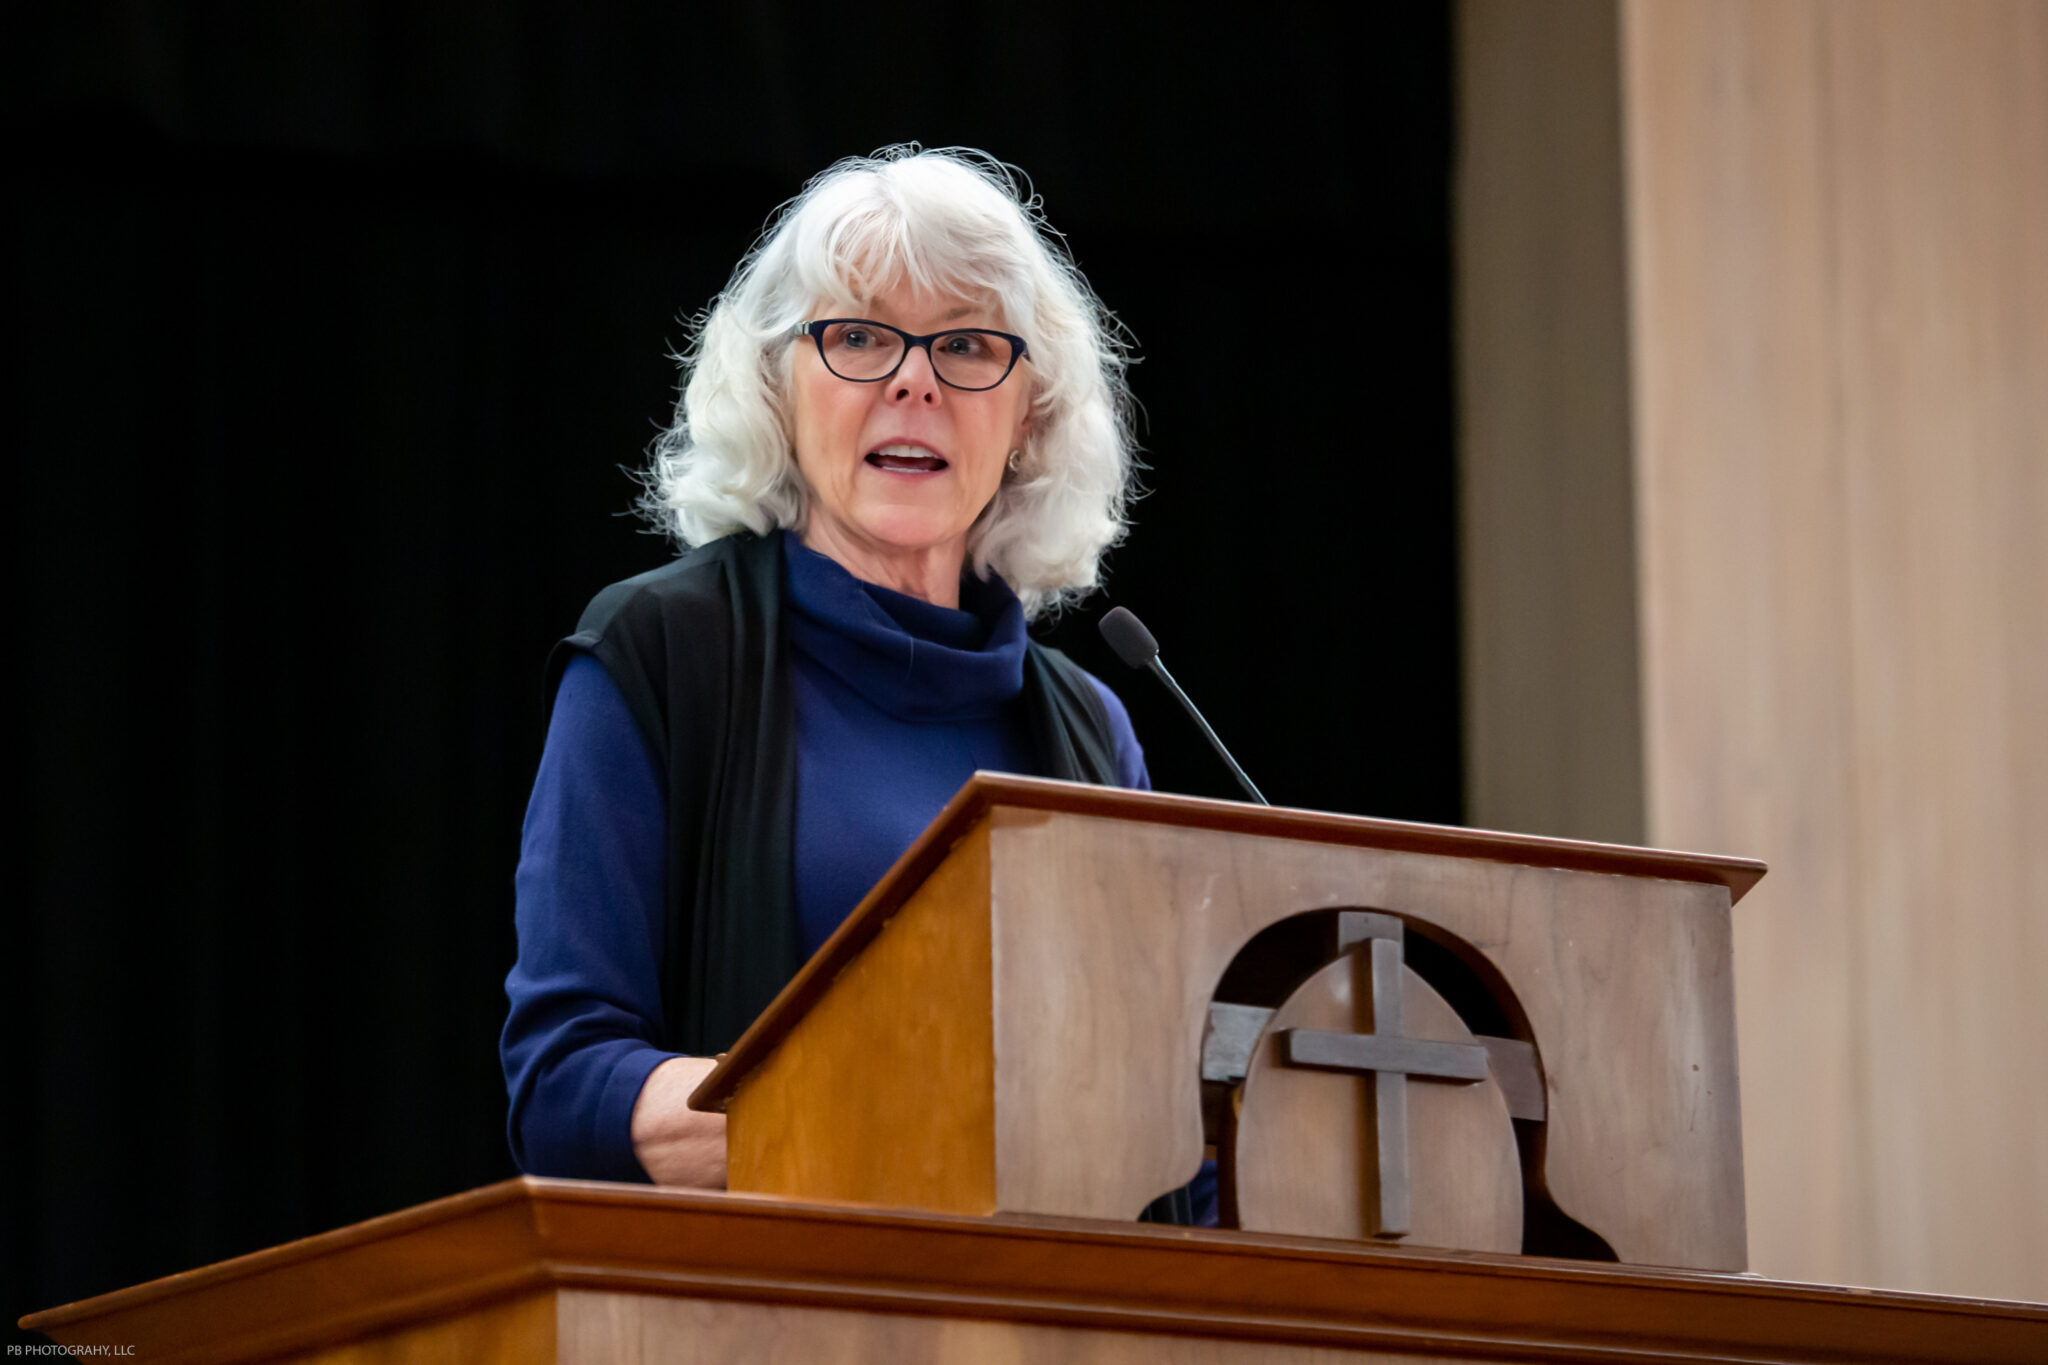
1392	1057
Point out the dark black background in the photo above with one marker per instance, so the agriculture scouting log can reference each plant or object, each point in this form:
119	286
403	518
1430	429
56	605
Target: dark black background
331	330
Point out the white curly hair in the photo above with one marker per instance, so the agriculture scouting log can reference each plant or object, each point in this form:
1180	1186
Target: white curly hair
951	221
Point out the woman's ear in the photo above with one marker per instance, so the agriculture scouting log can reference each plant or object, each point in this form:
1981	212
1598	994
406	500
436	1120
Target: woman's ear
1020	448
1027	423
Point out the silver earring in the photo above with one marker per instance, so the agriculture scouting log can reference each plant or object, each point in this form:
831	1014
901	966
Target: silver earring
1016	461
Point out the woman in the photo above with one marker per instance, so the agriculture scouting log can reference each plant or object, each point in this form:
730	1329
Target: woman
903	432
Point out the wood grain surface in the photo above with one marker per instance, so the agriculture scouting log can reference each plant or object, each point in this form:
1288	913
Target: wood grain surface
1138	1284
527	1330
885	1093
1111	934
636	1329
1301	1148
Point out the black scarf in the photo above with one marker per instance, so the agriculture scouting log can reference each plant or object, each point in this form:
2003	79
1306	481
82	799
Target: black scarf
698	650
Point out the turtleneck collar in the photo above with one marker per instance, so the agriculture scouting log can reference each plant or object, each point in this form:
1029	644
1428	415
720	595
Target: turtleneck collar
910	658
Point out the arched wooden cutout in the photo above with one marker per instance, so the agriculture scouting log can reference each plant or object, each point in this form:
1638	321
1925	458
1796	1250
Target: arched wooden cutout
1299	1151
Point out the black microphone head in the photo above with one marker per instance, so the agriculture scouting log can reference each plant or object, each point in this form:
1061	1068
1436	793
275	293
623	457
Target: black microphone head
1128	637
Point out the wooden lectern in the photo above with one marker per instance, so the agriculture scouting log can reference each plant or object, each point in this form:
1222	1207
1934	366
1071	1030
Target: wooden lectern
1440	1036
1472	1096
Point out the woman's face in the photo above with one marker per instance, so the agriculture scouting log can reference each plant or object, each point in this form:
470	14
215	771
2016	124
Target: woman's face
899	469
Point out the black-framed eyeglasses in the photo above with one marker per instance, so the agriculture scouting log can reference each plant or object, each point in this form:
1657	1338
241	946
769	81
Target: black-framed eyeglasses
868	352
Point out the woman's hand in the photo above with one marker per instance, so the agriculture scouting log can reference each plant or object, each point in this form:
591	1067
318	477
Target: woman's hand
676	1144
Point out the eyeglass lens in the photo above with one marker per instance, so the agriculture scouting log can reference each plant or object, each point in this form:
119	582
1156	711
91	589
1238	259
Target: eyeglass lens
966	360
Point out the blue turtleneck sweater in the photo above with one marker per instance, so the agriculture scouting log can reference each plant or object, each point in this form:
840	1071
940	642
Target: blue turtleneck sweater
896	702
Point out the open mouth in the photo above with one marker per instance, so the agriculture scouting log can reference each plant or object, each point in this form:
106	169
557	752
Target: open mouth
903	459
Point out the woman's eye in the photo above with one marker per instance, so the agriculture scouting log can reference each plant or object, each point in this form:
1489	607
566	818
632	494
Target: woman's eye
855	339
963	345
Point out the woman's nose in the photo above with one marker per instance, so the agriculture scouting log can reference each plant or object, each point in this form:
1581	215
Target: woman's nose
915	381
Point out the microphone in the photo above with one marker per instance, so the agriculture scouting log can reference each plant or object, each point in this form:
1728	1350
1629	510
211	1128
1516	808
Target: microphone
1135	646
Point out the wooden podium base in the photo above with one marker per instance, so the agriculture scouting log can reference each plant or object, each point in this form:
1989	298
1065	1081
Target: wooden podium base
547	1270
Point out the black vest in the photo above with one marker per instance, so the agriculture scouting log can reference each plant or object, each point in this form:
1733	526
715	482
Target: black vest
697	647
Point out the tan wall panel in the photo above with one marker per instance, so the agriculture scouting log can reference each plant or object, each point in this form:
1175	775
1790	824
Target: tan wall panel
1745	608
1940	124
1837	214
1835	218
1552	716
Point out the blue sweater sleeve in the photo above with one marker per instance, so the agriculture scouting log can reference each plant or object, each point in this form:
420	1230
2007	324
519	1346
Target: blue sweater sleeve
585	992
1130	758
